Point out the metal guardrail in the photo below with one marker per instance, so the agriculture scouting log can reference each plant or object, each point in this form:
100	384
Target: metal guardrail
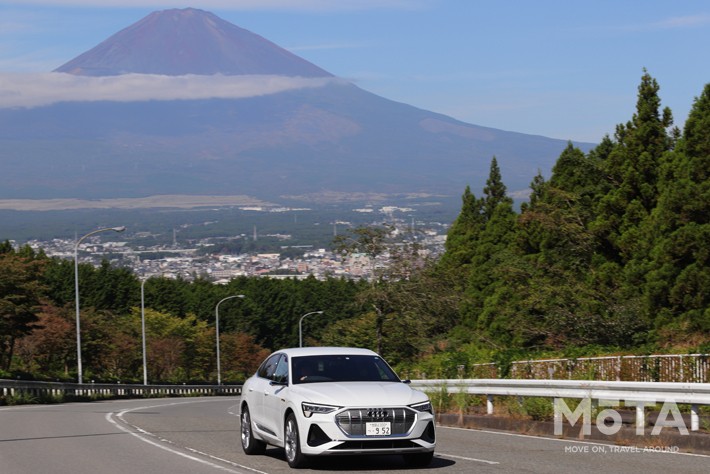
56	390
638	393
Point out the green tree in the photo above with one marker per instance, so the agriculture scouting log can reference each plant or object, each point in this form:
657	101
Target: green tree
58	278
371	241
178	348
632	169
105	288
423	307
108	288
678	283
491	246
167	295
20	294
463	234
495	192
553	227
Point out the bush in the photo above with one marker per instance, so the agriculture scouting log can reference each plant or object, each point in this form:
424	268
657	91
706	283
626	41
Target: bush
23	398
534	408
539	409
440	400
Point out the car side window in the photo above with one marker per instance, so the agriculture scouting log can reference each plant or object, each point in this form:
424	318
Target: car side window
267	369
281	372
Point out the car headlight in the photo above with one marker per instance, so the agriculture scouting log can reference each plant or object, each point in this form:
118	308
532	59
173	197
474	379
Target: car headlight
423	406
313	408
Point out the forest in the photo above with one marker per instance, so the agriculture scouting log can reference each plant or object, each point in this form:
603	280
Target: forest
609	255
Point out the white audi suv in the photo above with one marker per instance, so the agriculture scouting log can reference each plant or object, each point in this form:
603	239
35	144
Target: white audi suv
324	401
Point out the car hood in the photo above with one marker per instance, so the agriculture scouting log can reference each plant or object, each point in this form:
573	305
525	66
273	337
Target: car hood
359	394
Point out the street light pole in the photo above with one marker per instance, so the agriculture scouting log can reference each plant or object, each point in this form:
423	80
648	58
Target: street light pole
145	364
216	318
76	294
300	331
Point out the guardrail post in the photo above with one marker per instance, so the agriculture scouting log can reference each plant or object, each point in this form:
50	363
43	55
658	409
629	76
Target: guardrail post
640	417
694	418
489	404
618	368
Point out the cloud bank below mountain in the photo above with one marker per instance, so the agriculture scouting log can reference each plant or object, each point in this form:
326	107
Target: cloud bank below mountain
37	90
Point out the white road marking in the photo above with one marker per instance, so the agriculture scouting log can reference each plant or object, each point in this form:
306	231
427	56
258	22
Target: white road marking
445	455
145	436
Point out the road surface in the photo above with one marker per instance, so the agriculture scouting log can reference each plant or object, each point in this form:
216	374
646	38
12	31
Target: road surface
201	435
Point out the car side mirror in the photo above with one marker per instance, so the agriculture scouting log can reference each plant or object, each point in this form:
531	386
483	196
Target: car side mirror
407	381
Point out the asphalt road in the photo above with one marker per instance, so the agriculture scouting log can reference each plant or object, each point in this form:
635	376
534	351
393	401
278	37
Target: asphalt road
200	435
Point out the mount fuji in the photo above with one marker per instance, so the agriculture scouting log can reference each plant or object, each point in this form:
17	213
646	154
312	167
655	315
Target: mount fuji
183	102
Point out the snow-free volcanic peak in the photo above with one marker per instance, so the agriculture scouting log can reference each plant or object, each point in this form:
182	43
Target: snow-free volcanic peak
314	135
188	41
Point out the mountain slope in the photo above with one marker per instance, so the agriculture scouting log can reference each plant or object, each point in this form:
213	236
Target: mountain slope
189	41
334	137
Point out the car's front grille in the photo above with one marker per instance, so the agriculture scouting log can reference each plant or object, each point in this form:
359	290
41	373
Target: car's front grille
353	421
372	445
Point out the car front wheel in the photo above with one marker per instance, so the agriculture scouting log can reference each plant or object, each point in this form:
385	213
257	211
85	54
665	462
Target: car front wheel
250	444
292	443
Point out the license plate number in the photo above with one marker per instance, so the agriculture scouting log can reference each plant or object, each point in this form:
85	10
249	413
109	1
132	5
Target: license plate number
382	428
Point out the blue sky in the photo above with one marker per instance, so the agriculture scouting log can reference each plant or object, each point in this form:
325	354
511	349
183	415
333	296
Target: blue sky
559	68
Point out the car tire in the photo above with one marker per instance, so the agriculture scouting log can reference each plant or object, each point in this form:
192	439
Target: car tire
418	459
292	443
250	444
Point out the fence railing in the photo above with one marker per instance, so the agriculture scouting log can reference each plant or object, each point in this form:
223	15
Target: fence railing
639	394
57	390
649	368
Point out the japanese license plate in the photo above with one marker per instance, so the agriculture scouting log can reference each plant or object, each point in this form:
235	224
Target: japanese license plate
380	428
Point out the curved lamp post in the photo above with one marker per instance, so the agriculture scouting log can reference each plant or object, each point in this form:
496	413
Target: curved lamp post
300	331
216	318
76	294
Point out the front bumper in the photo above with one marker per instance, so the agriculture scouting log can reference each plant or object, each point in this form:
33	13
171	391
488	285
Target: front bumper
324	436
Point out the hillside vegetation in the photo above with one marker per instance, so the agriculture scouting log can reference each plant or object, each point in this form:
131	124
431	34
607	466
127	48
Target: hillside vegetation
613	250
611	254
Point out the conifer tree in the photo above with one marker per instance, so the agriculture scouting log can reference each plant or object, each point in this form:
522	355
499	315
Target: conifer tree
463	234
550	299
696	137
631	170
678	284
495	191
491	246
537	188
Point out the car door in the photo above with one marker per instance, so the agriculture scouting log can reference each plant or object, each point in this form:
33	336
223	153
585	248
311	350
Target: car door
257	391
273	398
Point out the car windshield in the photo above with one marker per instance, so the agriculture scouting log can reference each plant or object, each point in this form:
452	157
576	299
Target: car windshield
341	368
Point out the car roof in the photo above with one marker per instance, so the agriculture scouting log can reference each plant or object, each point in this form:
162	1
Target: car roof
311	351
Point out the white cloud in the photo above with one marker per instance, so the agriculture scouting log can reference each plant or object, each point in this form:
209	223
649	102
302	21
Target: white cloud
671	23
314	5
689	21
33	90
